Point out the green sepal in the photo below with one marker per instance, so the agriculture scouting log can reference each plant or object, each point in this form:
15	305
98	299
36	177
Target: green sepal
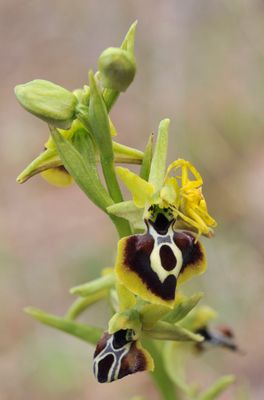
125	154
47	159
82	303
147	159
87	289
90	334
164	331
129	319
48	101
198	318
128	210
151	314
83	173
217	388
182	307
158	165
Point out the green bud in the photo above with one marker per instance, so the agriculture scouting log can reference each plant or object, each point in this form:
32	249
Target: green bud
48	101
117	68
83	95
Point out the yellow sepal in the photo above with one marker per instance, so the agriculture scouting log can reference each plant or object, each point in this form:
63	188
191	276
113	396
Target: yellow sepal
141	190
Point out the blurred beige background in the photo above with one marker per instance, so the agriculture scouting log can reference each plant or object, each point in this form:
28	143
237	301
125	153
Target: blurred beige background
201	63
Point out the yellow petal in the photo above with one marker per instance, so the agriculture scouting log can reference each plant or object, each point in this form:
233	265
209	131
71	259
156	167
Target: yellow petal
57	176
141	190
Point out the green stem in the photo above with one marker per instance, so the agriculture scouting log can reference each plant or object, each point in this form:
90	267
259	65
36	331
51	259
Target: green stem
159	375
110	96
121	224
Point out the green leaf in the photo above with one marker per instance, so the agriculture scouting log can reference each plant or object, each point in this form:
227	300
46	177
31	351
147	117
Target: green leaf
83	173
165	331
87	289
217	388
183	307
99	121
147	159
158	165
85	332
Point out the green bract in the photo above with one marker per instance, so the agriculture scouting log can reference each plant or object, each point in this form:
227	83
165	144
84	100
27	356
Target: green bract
48	101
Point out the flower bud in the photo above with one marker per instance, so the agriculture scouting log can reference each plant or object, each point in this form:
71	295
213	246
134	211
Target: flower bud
117	68
48	101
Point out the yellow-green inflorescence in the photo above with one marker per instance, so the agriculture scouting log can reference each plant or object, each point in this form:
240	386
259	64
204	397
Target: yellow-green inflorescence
159	229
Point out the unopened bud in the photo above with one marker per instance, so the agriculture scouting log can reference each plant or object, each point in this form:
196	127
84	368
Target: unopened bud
117	68
48	101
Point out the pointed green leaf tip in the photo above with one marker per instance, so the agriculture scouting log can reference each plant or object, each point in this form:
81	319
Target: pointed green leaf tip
48	101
